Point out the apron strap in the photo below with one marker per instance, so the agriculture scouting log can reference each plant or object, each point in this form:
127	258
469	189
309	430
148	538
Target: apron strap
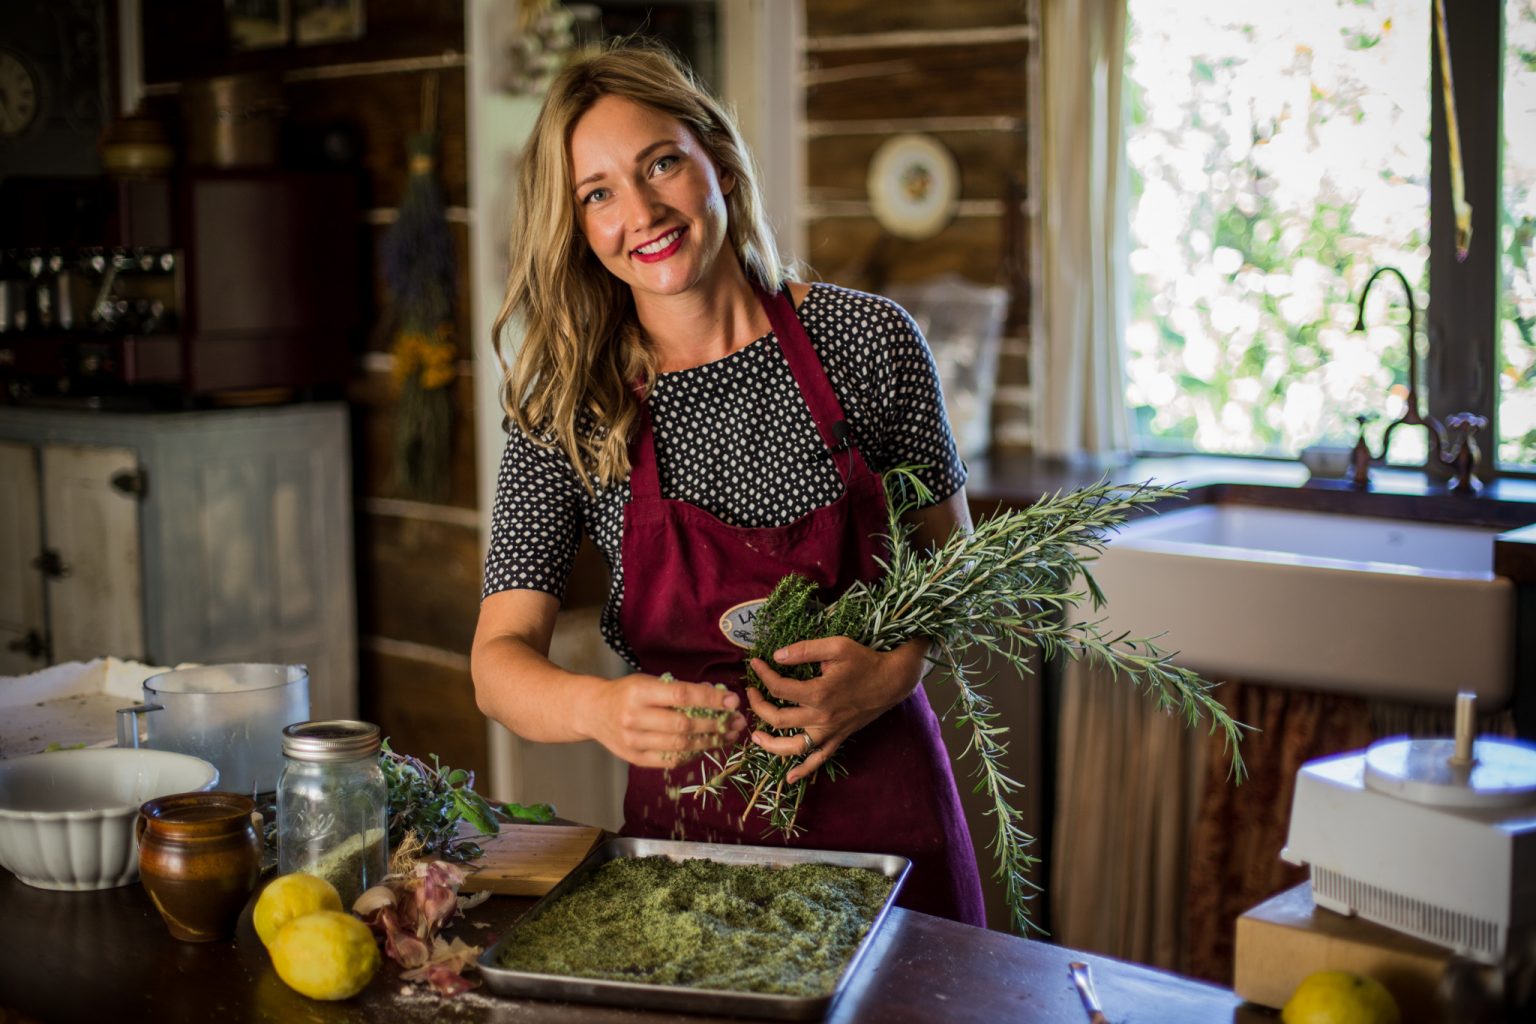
644	483
815	390
809	375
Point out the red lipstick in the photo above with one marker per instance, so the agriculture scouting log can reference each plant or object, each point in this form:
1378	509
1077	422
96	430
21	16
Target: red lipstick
659	255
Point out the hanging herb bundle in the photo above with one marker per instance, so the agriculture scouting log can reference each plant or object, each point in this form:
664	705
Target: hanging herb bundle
417	255
1001	591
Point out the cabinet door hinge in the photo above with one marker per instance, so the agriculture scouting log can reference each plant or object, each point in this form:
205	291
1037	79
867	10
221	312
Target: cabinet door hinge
131	481
51	564
34	645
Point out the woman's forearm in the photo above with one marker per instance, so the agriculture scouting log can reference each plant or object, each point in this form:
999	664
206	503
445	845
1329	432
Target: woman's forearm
518	686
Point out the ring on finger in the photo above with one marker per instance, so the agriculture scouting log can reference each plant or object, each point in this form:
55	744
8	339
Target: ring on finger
810	744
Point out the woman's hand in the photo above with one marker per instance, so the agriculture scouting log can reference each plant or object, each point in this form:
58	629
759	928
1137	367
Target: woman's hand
856	686
636	718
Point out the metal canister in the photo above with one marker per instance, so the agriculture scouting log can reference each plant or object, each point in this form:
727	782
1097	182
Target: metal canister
233	121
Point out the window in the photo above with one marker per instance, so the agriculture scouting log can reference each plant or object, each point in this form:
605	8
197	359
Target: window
1517	308
1278	155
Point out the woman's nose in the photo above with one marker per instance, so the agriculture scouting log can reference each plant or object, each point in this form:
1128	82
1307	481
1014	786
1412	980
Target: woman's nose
643	208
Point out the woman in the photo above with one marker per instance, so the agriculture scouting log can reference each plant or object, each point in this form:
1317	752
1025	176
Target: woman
713	427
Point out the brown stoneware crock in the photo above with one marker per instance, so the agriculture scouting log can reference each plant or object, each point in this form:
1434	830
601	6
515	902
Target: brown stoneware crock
199	858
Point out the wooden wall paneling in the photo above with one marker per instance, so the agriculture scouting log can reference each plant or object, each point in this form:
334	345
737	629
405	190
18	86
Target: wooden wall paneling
855	17
372	397
857	253
425	707
385	111
1012	427
190	39
1013	367
939	81
837	166
419	579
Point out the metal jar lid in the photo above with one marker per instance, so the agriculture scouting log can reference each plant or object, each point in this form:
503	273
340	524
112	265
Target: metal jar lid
338	740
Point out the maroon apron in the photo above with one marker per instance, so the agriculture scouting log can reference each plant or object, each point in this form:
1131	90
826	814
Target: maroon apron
691	583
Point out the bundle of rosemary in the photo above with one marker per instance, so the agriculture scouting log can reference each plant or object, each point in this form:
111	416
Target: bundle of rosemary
1001	591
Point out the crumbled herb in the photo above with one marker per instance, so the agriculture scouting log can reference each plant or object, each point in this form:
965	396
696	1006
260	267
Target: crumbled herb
702	924
353	865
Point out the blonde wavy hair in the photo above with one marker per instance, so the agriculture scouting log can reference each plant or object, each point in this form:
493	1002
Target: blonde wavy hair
569	383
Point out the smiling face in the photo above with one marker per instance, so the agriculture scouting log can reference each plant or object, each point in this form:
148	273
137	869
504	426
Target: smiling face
649	199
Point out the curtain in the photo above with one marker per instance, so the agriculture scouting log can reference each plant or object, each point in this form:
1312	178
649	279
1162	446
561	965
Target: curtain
1156	852
1127	794
1079	364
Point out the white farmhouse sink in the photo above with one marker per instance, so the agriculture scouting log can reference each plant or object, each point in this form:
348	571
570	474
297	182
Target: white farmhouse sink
1377	607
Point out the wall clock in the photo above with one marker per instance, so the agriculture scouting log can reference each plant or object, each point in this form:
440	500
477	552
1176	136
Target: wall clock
56	70
20	95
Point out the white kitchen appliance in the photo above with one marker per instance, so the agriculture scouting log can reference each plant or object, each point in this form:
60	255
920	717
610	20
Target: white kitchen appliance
1433	837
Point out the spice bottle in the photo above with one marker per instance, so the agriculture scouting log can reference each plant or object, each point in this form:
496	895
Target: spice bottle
332	805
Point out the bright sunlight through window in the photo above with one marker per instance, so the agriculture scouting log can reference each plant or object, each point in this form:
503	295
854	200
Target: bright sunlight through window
1278	153
1517	241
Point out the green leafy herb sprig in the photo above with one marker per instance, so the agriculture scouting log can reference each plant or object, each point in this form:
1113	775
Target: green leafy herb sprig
432	799
1000	591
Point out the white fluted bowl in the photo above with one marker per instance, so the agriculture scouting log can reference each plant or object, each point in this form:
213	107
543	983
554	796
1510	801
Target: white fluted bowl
67	817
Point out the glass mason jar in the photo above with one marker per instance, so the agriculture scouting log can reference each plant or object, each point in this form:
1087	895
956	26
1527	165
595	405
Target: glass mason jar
332	805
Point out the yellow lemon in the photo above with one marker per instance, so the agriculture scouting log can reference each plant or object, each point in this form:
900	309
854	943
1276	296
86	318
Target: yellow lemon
325	955
1340	997
288	897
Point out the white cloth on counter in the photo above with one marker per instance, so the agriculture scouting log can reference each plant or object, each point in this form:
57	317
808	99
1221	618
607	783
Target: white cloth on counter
68	704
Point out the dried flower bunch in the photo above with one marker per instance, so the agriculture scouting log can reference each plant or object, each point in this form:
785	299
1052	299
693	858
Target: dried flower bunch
1001	591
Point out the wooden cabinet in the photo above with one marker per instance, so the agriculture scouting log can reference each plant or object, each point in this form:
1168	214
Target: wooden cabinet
221	536
23	627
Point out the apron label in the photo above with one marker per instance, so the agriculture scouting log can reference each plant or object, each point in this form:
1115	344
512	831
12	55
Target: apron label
739	623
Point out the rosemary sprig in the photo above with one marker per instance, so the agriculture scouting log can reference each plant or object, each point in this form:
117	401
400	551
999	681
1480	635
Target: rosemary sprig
430	800
1000	591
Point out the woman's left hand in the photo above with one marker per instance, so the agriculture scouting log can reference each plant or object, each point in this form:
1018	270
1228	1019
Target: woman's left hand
856	686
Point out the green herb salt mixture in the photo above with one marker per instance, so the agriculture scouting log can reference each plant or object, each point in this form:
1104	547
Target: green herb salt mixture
701	924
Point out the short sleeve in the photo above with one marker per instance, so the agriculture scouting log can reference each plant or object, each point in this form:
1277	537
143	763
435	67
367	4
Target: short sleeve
536	521
911	424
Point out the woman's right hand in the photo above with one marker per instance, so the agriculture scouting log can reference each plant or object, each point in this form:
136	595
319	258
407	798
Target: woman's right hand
638	720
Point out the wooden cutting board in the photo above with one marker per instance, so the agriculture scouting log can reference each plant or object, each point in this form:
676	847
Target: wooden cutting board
527	860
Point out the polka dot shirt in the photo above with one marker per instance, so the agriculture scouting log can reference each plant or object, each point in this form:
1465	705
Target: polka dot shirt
724	428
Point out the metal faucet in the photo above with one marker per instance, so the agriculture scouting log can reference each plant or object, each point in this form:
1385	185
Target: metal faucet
1458	448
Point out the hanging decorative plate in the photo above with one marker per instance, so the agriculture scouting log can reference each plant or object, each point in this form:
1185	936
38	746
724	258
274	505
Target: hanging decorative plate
914	186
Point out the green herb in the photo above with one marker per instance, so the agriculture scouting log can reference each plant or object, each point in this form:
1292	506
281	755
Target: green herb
720	715
350	866
701	924
1000	591
56	745
432	800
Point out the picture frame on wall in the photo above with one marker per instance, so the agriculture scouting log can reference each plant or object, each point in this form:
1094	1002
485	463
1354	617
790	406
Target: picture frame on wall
258	24
327	21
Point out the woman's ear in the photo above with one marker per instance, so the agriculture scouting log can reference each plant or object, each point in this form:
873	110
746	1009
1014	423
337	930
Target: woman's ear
727	182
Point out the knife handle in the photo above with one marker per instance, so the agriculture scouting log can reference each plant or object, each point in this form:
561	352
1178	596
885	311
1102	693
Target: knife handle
1082	977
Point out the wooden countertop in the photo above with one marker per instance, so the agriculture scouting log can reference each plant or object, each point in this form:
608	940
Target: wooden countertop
106	955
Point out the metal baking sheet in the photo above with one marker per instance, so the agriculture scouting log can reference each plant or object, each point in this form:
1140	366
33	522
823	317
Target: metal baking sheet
672	997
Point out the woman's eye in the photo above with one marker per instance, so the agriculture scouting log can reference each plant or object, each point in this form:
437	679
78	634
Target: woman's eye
597	195
666	163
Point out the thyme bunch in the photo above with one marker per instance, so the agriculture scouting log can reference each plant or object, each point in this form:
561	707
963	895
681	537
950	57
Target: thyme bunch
432	800
1001	591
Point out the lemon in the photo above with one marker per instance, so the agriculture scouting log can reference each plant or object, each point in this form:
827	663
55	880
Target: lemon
1340	997
288	897
325	955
